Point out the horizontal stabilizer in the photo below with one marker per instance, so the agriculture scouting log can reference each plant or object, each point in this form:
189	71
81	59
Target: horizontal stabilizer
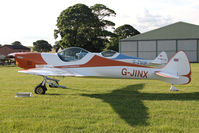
166	75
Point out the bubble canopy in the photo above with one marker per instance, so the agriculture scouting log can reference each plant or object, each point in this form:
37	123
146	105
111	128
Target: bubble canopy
108	53
72	54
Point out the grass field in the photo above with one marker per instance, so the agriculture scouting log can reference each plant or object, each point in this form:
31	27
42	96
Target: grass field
98	105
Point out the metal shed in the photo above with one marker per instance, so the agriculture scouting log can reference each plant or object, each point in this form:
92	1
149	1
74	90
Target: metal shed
171	38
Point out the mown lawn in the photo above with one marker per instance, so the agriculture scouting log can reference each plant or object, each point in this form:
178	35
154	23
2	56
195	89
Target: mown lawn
98	105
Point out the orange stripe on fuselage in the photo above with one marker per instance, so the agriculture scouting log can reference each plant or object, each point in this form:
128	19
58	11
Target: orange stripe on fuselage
29	60
98	61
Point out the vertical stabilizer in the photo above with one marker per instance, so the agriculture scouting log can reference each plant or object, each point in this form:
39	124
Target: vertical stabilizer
177	70
161	58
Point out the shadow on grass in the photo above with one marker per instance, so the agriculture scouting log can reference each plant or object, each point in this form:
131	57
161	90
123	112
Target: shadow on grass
54	94
127	102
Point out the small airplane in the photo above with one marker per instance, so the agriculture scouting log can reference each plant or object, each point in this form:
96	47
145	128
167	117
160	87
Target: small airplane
75	61
160	60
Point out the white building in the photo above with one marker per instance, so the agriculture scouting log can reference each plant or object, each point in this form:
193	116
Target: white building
172	38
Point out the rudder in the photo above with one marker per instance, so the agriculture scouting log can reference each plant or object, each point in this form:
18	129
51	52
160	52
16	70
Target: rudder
161	58
179	67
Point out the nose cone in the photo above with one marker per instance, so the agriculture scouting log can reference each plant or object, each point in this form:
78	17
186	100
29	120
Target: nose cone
29	60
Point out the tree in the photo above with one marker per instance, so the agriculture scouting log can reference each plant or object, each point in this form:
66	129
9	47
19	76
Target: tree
16	43
113	43
125	31
41	46
122	32
79	26
101	11
57	46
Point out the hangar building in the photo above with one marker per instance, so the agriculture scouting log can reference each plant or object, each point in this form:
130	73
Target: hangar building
171	38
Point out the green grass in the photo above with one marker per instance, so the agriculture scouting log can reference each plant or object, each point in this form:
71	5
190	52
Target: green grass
98	105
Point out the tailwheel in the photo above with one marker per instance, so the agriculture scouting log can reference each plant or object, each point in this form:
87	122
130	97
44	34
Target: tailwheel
173	88
40	89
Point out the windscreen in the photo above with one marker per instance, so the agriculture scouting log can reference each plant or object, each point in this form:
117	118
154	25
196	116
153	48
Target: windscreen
72	54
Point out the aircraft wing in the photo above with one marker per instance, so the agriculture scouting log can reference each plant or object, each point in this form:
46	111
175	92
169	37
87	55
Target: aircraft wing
49	72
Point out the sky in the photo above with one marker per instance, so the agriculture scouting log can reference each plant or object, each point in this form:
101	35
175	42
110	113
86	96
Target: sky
30	20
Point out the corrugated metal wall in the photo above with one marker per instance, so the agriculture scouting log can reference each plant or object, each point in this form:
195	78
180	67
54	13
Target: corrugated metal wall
129	48
169	46
147	49
151	48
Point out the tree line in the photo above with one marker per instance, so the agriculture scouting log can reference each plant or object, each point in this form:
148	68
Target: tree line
87	27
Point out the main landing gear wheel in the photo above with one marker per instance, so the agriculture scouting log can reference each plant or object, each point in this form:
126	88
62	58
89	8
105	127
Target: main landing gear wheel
40	89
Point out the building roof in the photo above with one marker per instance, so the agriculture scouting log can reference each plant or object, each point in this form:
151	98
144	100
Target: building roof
16	47
179	30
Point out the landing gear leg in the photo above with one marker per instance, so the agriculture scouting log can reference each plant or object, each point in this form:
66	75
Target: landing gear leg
53	83
173	88
41	88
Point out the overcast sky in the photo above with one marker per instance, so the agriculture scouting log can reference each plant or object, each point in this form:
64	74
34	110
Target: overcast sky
31	20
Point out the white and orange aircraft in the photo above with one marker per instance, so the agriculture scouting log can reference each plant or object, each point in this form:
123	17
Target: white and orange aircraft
76	61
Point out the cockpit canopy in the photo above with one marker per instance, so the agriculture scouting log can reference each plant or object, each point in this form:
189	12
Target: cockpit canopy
72	54
108	53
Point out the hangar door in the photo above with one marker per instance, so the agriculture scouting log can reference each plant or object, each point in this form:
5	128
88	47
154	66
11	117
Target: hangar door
147	49
142	49
151	48
129	48
190	47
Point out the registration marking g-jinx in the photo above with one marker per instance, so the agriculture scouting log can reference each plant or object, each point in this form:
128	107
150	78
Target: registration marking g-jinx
134	73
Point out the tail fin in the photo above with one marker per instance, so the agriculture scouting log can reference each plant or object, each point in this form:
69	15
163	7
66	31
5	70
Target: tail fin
161	58
177	70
